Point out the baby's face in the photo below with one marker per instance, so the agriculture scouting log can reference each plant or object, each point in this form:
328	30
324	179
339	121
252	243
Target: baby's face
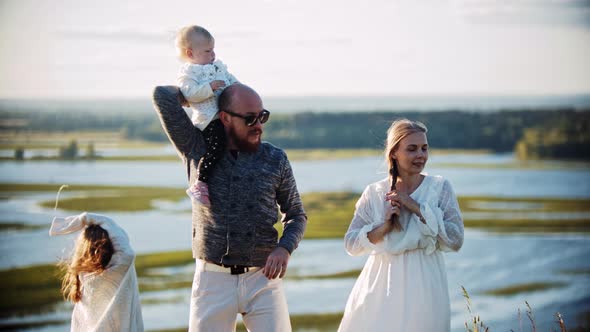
202	51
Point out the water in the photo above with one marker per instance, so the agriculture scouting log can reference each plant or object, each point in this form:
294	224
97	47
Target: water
486	261
324	175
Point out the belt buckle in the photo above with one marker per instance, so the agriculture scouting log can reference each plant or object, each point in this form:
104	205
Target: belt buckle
237	269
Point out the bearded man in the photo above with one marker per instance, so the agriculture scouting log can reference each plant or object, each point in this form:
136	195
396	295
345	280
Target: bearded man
240	261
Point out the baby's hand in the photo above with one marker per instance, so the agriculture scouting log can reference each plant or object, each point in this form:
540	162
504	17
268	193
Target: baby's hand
216	85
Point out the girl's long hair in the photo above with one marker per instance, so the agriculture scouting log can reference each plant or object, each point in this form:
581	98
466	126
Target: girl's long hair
398	130
92	254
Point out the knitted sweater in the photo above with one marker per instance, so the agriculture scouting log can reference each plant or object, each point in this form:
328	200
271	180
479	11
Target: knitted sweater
245	191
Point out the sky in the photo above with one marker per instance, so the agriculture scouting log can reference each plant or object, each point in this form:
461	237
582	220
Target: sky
122	49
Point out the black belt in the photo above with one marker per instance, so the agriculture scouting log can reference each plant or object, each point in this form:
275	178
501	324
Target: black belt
237	269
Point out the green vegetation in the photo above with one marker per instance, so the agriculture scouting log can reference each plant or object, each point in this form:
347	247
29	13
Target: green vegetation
340	275
37	288
575	272
30	325
313	322
29	289
299	323
329	213
563	140
19	226
100	198
495	131
524	288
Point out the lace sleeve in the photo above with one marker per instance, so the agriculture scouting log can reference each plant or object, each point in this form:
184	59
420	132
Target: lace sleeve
450	233
356	241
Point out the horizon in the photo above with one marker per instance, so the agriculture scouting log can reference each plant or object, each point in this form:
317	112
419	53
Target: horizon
325	103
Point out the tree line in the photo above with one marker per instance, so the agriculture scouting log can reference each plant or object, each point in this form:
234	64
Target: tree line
529	133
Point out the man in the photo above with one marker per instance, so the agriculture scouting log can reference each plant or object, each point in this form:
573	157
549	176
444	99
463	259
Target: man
239	262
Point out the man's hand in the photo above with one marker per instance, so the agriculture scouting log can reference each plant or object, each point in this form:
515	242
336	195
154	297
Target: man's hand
215	85
276	263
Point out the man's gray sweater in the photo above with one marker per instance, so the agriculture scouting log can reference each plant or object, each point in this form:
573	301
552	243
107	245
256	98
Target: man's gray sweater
244	191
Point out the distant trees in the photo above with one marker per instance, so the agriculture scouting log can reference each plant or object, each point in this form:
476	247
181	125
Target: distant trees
535	131
69	151
90	151
566	140
19	153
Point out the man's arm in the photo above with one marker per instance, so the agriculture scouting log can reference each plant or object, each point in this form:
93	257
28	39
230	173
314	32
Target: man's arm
294	222
176	123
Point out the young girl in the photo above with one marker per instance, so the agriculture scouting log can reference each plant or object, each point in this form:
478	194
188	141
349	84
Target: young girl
201	81
100	277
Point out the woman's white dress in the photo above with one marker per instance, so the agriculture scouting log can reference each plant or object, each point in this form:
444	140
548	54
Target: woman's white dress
403	285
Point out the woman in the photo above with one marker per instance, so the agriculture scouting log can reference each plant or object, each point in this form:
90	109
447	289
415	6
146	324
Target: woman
404	223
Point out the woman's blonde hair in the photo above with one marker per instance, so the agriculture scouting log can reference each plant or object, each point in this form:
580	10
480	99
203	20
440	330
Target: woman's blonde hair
184	39
398	130
92	254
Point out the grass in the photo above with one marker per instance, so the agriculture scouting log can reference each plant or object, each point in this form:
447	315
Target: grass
306	322
36	288
524	288
101	198
329	213
31	325
340	275
19	226
31	289
467	204
330	154
575	272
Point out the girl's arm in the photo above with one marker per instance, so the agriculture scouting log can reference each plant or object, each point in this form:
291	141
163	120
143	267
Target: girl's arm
124	254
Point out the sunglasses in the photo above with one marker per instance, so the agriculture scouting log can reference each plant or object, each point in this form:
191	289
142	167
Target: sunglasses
252	119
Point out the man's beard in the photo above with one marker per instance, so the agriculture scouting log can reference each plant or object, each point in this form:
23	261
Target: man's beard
242	144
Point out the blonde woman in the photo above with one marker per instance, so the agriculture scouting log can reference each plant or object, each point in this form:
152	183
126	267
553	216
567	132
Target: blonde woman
100	277
403	223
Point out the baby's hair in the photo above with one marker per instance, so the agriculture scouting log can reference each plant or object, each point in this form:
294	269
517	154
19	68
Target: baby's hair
185	36
92	254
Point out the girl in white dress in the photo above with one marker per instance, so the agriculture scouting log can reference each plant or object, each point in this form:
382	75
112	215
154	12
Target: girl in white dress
403	223
100	277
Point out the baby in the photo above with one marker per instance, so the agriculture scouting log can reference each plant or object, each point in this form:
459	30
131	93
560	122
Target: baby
201	81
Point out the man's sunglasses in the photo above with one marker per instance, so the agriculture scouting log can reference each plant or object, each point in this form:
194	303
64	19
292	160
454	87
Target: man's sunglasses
252	119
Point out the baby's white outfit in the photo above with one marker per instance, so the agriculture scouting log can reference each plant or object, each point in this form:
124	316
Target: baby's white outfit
193	81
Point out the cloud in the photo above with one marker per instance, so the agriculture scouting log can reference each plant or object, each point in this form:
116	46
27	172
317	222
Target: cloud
116	33
550	12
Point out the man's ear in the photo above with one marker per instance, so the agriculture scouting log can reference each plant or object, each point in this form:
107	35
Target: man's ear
224	117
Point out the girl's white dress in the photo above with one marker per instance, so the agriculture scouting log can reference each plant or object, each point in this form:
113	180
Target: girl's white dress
110	299
403	285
